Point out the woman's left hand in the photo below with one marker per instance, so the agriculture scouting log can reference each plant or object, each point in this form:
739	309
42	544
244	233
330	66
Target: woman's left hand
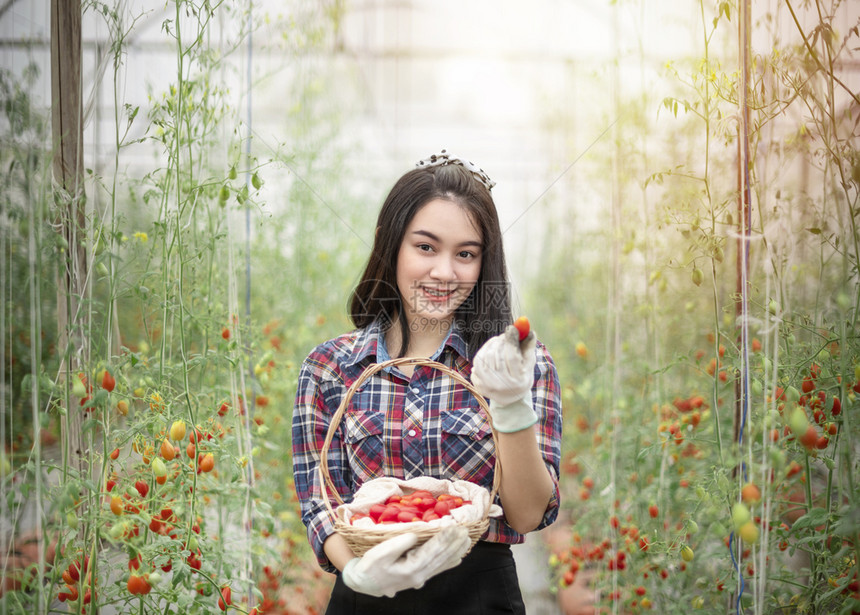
503	371
397	564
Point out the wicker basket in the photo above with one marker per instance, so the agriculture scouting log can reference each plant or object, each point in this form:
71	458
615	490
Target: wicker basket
362	539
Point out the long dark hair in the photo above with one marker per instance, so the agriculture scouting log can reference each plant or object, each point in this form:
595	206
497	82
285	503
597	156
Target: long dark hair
487	310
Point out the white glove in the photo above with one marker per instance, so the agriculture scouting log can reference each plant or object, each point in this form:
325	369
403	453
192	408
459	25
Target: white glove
393	565
503	370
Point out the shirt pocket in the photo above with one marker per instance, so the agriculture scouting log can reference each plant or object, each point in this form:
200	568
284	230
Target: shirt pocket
468	449
365	448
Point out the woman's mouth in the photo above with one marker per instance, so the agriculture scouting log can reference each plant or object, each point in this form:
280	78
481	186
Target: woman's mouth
436	294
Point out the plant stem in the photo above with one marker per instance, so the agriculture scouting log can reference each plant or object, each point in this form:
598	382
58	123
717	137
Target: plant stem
35	405
813	556
706	116
814	55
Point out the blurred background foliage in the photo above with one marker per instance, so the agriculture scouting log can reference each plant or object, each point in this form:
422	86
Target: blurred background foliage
236	157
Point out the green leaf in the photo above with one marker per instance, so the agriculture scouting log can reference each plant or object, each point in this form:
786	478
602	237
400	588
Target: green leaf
814	230
89	424
836	590
90	485
179	576
814	518
184	599
99	398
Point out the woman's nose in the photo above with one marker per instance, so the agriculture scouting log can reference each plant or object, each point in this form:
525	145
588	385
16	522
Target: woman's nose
443	269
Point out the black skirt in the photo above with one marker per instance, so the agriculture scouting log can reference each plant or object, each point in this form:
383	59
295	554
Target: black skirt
485	583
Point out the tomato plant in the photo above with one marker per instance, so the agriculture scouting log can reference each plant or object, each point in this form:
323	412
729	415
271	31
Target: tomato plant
709	413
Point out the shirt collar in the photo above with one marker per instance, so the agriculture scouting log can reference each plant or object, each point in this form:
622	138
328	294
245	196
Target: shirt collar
457	342
366	341
370	344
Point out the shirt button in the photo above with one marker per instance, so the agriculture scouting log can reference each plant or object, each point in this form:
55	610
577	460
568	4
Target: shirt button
411	433
416	390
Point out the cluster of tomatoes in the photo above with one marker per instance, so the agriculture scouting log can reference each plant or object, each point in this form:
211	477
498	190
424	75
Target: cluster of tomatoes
416	506
569	561
269	587
163	521
72	577
83	389
824	409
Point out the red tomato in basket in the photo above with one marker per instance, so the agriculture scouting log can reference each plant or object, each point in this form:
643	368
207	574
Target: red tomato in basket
389	514
425	503
406	516
376	511
416	506
442	508
430	515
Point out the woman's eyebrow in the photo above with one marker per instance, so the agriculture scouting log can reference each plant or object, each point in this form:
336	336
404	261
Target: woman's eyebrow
433	237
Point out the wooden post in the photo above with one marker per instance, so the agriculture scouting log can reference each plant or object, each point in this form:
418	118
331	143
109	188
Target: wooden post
67	133
67	113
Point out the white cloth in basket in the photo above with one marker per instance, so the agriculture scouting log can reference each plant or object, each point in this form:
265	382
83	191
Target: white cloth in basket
376	491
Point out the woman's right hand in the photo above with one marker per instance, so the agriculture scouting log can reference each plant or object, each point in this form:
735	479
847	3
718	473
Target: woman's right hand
394	565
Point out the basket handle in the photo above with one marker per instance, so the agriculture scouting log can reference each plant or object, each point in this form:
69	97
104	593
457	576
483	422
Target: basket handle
326	483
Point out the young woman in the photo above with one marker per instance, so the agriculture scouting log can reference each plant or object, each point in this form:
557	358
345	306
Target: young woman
435	286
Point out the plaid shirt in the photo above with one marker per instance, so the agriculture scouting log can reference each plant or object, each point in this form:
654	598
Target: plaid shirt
427	425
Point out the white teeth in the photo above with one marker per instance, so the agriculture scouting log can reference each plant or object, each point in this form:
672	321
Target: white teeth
437	293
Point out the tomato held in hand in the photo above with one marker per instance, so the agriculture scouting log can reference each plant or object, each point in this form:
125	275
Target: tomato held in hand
522	325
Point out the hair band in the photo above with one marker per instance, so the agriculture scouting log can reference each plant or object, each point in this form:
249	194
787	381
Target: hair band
443	158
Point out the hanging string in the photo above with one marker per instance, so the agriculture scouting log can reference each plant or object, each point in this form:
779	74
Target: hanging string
248	176
745	222
743	242
248	512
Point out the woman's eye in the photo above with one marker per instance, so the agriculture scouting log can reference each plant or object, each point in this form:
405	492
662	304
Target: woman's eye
425	247
466	254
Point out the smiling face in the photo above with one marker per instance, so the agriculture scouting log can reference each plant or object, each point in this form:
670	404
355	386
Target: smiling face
397	287
438	263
